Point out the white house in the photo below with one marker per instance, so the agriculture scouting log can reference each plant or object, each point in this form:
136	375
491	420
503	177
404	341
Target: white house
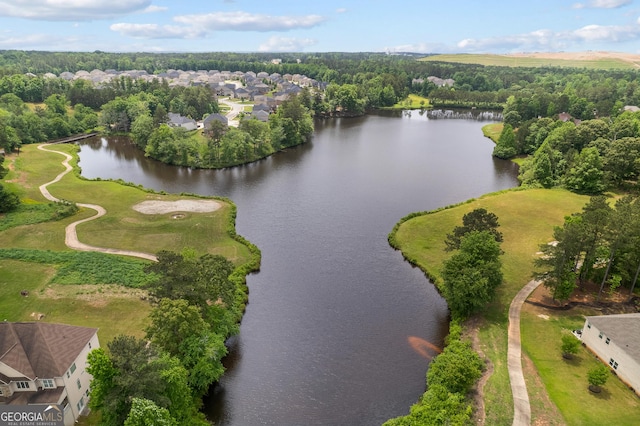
615	339
43	363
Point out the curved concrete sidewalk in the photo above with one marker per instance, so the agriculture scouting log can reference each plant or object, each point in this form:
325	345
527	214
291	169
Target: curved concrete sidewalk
71	235
521	406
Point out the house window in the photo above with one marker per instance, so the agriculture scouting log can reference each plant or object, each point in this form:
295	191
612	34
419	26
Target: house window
73	368
22	385
607	341
600	335
89	345
80	404
48	384
79	384
588	325
613	363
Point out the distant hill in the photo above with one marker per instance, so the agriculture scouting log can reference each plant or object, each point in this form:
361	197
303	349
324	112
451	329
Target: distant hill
593	60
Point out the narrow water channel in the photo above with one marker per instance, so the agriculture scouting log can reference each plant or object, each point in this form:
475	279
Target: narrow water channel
334	315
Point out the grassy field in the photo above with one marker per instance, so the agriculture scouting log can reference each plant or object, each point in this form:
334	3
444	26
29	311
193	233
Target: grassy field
521	61
527	218
412	102
493	131
112	308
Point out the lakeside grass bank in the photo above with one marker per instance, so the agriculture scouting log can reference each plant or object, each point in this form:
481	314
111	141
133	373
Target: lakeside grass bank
114	309
527	218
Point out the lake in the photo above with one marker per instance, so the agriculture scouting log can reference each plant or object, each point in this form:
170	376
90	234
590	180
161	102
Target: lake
339	328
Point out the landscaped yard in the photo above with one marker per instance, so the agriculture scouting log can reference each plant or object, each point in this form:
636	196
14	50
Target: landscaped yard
566	380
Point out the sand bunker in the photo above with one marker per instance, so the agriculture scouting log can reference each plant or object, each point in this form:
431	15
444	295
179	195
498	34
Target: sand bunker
161	207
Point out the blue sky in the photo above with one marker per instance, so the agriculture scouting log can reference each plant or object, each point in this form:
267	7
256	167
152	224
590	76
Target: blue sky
454	26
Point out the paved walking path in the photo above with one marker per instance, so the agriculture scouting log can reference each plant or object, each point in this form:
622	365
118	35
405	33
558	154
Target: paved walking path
521	406
71	236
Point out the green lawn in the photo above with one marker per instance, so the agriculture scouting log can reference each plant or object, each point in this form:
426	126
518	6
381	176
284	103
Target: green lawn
122	227
519	61
566	380
412	102
527	218
113	309
493	131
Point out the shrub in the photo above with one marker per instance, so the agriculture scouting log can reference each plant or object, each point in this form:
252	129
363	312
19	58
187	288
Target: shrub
456	369
597	377
569	346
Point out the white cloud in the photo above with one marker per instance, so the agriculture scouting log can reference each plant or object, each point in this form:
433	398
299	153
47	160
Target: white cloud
39	41
552	40
286	44
156	31
153	8
602	4
341	10
419	48
243	21
70	10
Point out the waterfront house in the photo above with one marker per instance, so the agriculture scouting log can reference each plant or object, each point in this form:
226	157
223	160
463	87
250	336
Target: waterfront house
44	363
614	339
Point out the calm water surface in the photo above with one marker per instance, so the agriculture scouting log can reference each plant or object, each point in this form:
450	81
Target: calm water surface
332	315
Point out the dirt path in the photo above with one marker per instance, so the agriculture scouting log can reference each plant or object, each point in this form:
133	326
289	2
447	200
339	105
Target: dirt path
71	235
521	405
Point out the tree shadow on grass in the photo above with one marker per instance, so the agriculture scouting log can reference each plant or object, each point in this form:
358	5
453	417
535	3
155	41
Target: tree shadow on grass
574	361
603	395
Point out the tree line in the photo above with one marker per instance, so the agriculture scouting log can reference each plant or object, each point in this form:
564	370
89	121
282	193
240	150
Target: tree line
164	376
470	278
588	156
600	244
534	92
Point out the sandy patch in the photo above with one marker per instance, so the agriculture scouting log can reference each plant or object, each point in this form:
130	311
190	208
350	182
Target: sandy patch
162	207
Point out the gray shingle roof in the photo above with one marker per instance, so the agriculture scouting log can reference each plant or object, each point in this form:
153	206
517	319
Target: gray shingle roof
622	329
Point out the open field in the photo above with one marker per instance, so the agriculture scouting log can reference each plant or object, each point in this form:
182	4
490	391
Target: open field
122	227
412	102
527	218
592	60
114	309
493	131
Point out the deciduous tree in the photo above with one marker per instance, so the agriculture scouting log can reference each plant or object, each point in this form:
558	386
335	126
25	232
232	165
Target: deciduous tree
471	276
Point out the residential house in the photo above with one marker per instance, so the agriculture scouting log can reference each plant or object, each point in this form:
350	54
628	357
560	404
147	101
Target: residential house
242	93
615	340
261	107
260	115
177	120
215	116
44	363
